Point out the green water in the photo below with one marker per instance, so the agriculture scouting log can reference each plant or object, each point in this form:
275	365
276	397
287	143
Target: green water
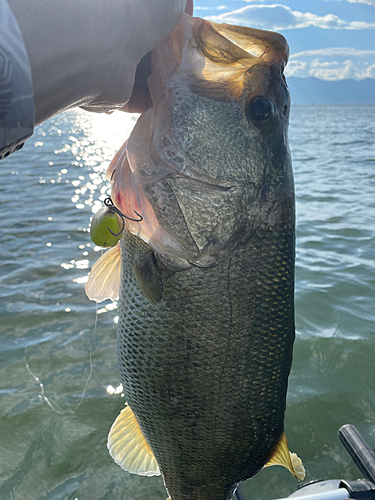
58	368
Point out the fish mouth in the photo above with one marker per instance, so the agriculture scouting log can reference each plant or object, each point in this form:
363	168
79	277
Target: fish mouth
232	52
229	51
193	208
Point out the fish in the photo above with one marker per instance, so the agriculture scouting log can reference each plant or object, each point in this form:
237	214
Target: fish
206	280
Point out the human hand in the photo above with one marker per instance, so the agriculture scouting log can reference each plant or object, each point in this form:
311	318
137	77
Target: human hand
140	99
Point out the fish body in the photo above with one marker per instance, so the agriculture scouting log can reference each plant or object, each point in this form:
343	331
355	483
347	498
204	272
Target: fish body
205	371
206	309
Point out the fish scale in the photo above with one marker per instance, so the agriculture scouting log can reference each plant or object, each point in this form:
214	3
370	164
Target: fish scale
196	367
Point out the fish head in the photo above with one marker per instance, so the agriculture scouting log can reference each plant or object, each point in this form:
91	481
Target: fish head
209	163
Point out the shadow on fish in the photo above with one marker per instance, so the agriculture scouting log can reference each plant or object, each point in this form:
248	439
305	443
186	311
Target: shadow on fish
206	279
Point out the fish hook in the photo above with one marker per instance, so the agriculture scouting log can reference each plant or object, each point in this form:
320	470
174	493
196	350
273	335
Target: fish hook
113	209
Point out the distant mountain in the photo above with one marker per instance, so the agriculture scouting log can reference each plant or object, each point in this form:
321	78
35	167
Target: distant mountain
315	91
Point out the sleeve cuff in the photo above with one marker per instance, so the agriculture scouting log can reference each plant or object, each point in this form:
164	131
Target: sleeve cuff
16	92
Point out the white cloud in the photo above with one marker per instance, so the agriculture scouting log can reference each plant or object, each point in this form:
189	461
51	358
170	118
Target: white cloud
316	63
296	68
332	70
334	51
333	63
281	17
369	71
367	2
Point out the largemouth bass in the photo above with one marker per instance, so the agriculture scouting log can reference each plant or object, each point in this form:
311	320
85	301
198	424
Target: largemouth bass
206	309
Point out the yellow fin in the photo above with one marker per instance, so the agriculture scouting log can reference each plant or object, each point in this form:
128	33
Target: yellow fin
282	456
104	278
128	447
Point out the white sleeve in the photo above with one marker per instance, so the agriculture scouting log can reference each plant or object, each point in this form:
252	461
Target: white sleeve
16	92
145	23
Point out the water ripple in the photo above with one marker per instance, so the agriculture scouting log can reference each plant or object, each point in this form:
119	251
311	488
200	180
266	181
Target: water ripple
48	329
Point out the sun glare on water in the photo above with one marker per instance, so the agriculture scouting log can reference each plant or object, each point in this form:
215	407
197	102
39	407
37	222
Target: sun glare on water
89	141
103	135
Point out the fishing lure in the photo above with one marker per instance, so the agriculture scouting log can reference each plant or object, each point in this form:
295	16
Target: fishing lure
108	224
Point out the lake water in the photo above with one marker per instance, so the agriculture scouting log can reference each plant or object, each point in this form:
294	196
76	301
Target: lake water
58	371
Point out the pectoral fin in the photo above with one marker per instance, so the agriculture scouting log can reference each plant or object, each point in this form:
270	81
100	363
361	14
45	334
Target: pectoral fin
128	447
282	456
148	278
104	278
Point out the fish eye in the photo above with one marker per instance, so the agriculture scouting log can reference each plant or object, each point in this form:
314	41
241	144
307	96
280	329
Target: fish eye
260	110
263	114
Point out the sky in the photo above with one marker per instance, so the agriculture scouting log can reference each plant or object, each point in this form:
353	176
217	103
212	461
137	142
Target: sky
328	39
